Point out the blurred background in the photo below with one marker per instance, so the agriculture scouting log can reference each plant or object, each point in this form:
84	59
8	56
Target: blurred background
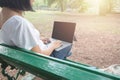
97	29
98	7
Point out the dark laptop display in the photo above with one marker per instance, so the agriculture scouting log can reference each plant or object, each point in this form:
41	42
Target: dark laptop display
63	31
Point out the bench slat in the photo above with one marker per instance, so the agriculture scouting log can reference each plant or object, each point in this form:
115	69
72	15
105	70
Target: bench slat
51	68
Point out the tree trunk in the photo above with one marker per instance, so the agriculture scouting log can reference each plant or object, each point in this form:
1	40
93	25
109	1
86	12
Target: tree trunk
62	4
105	7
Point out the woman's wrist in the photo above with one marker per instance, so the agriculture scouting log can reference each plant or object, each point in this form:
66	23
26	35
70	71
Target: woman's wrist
52	47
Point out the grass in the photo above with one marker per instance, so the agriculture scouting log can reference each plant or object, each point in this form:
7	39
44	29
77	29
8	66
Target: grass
43	21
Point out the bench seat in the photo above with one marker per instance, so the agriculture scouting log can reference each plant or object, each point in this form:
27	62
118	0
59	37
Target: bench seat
51	68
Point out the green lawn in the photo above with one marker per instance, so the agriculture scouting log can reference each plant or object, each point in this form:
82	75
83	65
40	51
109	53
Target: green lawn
43	21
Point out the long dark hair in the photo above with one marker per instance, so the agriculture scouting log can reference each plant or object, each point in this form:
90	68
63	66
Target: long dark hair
24	5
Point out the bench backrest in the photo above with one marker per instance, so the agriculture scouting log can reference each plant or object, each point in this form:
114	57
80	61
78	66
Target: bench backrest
51	68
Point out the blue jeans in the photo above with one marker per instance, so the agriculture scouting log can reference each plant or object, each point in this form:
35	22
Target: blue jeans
62	54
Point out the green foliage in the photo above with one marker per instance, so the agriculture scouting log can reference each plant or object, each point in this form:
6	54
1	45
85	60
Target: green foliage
57	3
62	5
50	2
84	7
75	3
38	3
80	5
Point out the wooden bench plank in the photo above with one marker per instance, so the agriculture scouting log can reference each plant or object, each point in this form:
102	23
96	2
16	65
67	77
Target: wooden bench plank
51	68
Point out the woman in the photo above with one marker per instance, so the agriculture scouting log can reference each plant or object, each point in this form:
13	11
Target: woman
15	30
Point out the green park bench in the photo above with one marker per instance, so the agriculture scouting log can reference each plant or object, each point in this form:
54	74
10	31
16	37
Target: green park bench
50	68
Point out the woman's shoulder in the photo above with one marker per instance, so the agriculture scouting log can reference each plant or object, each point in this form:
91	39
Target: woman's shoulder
19	19
14	20
17	22
22	21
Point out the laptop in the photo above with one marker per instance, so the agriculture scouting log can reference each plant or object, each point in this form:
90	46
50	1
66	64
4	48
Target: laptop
63	31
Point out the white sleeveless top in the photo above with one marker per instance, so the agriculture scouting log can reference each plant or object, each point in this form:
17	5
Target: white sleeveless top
17	31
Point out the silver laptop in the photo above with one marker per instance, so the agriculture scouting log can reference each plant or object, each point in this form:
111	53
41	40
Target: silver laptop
63	31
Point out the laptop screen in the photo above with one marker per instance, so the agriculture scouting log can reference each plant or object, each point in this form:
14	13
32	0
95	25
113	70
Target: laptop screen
63	31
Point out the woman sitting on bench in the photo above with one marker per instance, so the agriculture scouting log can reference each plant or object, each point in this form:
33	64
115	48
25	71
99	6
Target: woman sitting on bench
17	31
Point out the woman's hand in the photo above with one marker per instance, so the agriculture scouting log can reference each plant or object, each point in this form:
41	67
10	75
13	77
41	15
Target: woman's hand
56	44
53	45
46	40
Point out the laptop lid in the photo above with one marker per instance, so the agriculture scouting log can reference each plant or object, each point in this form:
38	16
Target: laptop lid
63	31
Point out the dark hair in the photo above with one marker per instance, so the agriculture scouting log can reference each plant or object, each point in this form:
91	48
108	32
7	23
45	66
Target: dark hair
24	5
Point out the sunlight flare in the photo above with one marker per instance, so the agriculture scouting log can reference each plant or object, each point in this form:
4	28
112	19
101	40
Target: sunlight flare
93	6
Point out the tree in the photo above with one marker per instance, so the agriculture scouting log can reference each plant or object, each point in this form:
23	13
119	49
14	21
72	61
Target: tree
80	5
63	4
116	6
105	7
59	3
38	3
